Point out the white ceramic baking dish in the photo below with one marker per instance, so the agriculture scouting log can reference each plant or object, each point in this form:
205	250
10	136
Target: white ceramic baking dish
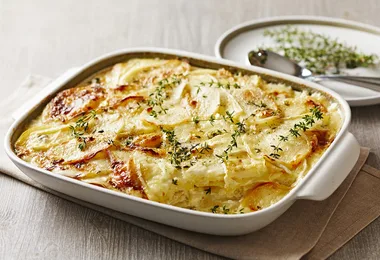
321	181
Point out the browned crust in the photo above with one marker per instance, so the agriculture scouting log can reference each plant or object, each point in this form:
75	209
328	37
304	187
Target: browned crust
62	106
125	175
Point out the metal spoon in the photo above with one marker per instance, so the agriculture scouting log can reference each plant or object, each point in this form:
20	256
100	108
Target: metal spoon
271	60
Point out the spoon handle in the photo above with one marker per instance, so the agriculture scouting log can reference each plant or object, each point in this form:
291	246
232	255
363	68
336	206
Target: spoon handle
365	82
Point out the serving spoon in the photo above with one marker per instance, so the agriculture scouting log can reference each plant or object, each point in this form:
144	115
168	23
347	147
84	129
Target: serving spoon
271	60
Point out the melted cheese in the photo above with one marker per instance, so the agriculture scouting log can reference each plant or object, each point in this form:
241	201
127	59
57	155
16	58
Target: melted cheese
190	137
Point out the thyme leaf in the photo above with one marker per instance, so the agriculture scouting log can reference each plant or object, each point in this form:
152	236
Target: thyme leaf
225	209
214	209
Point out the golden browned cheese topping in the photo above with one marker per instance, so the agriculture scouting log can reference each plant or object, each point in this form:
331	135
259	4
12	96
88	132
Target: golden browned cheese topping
195	138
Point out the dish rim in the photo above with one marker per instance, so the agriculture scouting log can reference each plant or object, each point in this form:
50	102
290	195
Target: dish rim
292	195
299	19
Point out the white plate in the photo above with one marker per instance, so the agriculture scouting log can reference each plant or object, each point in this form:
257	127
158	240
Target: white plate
238	41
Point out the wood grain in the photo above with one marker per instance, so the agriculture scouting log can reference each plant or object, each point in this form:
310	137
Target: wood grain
47	37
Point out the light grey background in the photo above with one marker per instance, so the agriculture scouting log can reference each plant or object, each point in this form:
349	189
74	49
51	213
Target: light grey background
48	37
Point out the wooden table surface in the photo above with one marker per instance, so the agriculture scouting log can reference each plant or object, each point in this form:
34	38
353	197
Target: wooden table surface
48	37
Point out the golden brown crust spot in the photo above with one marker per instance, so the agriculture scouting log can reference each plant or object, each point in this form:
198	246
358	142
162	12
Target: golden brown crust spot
148	140
224	73
312	104
124	175
155	152
117	102
73	102
319	139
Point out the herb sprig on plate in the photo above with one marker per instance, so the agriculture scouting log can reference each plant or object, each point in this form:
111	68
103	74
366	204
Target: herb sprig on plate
319	53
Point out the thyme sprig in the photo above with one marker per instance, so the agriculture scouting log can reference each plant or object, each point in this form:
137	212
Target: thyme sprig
307	122
81	127
261	105
196	120
227	117
212	119
319	53
204	148
178	153
218	84
217	208
157	98
216	133
240	128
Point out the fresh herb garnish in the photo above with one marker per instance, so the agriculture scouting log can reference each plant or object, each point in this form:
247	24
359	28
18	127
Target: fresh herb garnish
212	119
214	209
159	95
317	52
225	209
215	133
208	191
175	181
82	145
240	128
229	115
178	153
82	123
81	127
307	122
196	119
218	84
261	105
157	100
204	148
129	140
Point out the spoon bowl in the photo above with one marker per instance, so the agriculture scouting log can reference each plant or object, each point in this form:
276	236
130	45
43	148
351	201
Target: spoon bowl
274	61
271	60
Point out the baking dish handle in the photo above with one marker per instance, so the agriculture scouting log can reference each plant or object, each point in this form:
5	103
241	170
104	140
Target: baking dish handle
45	92
332	172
